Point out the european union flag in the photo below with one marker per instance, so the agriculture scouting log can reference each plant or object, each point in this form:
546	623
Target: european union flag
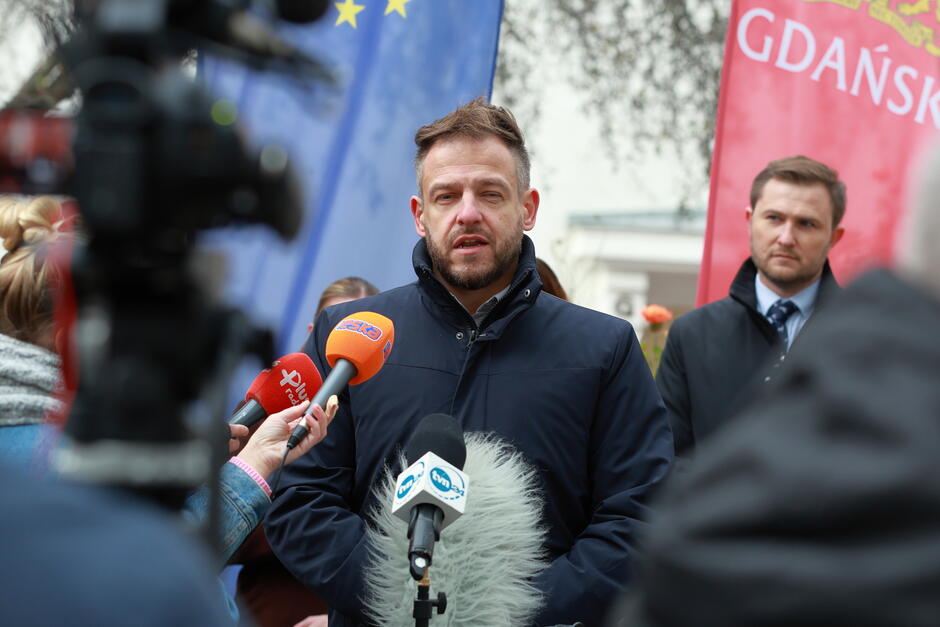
400	64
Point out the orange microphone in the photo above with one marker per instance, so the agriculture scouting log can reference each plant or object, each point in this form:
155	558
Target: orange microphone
356	349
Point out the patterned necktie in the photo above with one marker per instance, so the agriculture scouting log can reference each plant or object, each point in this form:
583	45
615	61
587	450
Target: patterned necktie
778	314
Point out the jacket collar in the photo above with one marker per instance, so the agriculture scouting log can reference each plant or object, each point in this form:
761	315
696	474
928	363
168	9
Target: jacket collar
523	290
742	287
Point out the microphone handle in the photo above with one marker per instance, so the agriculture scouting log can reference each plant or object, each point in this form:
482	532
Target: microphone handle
423	531
339	376
248	414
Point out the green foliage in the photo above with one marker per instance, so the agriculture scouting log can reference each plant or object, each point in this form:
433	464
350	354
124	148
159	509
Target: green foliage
653	343
653	355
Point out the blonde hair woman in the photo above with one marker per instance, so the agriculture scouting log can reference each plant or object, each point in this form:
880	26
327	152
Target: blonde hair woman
342	291
29	364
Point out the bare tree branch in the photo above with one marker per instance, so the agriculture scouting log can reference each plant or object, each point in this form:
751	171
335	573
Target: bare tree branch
52	17
648	70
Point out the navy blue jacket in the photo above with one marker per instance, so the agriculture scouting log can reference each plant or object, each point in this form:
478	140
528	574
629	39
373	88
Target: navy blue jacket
566	385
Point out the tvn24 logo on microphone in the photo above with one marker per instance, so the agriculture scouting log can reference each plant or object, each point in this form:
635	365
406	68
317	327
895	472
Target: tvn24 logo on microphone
431	480
450	487
412	476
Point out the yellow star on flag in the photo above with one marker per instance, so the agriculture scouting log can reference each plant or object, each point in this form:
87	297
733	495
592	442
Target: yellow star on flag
396	5
347	12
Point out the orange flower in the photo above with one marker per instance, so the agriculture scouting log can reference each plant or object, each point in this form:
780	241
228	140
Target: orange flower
656	314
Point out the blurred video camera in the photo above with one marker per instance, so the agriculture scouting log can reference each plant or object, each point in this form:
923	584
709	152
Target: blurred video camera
152	158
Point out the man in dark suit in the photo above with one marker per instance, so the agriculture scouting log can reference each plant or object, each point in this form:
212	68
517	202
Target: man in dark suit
718	356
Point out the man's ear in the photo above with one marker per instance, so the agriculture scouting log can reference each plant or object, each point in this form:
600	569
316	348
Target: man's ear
530	204
837	234
417	211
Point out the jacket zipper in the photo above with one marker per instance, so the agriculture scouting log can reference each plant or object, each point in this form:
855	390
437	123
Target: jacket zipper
463	370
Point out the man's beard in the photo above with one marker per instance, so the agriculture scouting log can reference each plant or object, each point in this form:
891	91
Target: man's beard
787	279
505	255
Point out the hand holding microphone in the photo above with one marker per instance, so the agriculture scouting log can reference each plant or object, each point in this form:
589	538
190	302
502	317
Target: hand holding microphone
289	381
281	394
264	451
356	349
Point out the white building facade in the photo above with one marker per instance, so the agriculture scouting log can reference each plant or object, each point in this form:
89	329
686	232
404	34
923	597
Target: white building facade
618	263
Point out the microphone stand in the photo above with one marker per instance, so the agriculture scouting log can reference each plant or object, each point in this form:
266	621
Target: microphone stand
423	603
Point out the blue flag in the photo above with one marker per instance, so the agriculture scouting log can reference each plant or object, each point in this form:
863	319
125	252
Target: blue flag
400	64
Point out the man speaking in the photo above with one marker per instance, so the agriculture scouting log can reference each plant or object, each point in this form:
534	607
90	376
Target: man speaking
475	338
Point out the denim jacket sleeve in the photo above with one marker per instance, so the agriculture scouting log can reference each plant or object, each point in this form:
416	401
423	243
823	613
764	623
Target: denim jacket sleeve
243	505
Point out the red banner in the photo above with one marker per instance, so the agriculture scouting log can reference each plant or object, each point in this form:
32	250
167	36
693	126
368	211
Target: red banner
852	83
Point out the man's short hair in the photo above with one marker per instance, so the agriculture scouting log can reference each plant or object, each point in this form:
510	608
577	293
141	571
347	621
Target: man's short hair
477	119
803	171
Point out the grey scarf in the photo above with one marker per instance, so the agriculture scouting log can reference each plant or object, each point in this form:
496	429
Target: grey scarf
29	375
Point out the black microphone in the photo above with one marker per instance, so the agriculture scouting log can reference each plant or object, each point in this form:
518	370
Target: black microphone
487	559
441	435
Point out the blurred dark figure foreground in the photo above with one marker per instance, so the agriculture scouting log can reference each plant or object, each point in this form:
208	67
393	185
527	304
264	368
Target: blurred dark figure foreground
77	555
822	507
